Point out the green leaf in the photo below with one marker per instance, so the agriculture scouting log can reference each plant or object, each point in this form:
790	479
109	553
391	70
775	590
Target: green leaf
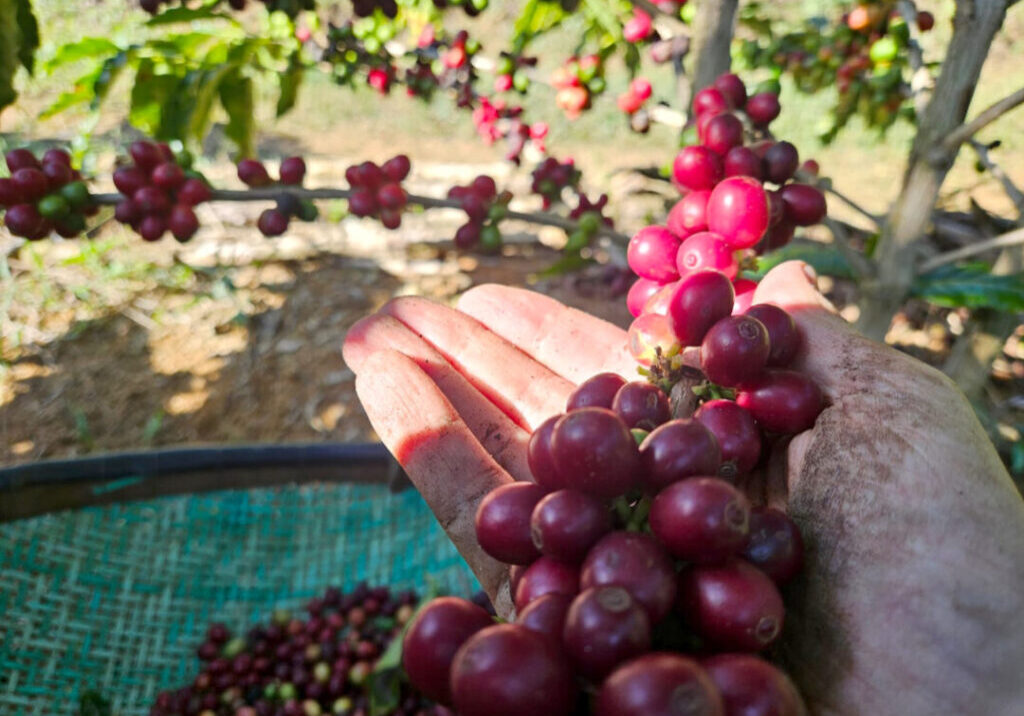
83	92
236	96
150	94
187	14
10	41
29	34
289	82
826	260
86	48
971	286
537	17
606	17
207	90
109	71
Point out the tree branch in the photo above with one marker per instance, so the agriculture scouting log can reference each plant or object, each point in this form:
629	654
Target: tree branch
990	114
427	202
712	40
1015	194
1010	238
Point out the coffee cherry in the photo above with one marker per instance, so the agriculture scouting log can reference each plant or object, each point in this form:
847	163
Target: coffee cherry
194	192
595	453
129	180
57	155
76	194
697	167
782	333
32	183
744	295
24	220
925	21
391	196
658	303
641	290
776	546
700	300
742	161
637	562
689	215
57	174
783	401
10	194
678	449
737	435
604	627
659	684
151	200
709	101
252	173
391	218
397	168
507	670
538	454
738	209
467	236
702	520
565	524
292	171
651	254
503	522
546	576
432	640
763	108
732	89
780	162
706	250
182	222
369	174
777	236
272	223
485	187
21	159
734	606
362	202
596	392
168	176
146	155
641	405
734	351
127	212
751	686
647	334
723	132
152	227
53	206
546	616
805	205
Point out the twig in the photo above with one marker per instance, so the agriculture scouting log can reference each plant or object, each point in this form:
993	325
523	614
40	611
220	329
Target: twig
827	186
1015	194
428	202
1010	238
990	114
922	79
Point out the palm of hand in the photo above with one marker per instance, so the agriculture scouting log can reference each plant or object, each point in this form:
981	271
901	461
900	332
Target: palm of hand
894	610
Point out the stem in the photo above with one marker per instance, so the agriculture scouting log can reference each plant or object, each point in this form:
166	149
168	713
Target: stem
990	114
1010	238
712	40
427	202
1015	194
826	186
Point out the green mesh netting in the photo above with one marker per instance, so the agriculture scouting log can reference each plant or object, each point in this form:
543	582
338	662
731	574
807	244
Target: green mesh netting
116	599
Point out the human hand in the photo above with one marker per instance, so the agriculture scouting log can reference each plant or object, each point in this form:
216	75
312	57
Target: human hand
914	565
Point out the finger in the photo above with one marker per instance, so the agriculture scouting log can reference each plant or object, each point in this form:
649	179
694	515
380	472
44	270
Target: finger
503	439
572	343
525	390
439	453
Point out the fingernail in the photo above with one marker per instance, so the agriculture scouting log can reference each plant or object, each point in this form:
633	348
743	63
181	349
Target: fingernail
811	274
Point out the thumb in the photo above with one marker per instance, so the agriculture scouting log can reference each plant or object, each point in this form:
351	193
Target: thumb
829	342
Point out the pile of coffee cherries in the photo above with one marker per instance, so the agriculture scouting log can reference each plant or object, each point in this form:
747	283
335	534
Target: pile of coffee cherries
160	190
640	571
377	190
44	195
301	665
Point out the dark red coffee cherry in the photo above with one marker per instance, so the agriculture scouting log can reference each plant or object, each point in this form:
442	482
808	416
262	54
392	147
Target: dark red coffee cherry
538	454
503	522
272	223
252	173
636	562
733	606
182	222
641	405
780	162
783	335
397	168
736	432
659	684
146	155
546	576
596	392
679	448
775	546
293	171
702	520
700	300
734	351
567	523
595	453
546	616
433	637
507	670
750	686
604	627
129	180
783	401
168	176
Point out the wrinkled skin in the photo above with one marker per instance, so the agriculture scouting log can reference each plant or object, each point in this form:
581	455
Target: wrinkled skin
909	602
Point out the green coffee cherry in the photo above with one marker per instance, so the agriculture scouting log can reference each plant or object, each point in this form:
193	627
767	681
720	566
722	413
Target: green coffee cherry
54	206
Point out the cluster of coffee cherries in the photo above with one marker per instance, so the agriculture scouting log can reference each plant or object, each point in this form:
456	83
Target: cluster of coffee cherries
551	177
377	190
576	82
510	73
366	8
631	102
42	196
160	191
738	198
292	172
485	208
315	664
639	570
470	7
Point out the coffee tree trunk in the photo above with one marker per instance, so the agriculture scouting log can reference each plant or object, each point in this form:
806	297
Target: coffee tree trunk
712	40
975	24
